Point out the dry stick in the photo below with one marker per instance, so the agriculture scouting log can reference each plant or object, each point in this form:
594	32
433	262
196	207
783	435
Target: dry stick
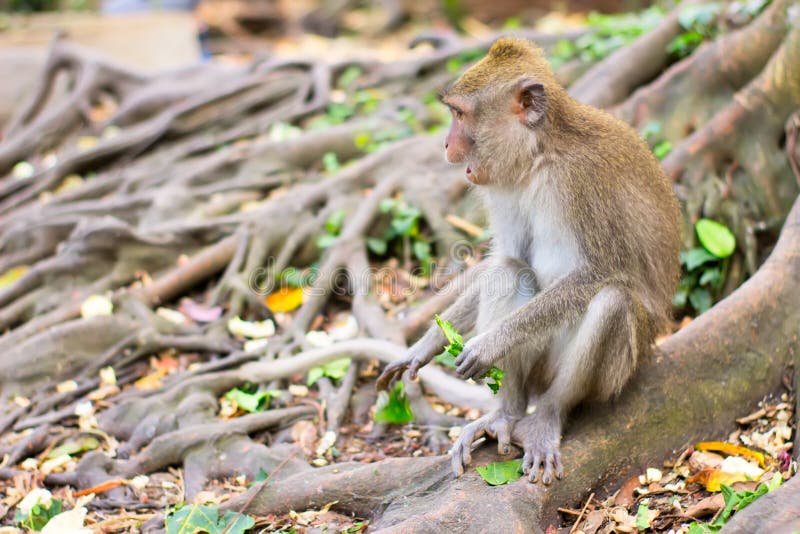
580	516
464	225
258	489
792	130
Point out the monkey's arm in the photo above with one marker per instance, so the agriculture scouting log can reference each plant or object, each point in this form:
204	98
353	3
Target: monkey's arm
533	324
462	314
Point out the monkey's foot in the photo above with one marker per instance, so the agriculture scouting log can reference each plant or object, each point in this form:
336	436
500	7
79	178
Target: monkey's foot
496	425
540	434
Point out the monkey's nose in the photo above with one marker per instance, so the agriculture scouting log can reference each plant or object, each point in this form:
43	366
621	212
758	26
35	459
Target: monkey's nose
445	145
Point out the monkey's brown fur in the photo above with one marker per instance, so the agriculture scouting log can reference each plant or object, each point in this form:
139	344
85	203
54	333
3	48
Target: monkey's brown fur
578	203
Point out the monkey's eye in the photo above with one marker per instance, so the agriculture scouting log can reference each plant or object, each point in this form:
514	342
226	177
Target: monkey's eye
458	114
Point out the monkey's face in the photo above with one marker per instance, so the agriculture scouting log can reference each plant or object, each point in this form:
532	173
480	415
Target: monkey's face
493	130
459	145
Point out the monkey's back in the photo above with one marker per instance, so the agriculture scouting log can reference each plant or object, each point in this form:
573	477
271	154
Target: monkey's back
626	211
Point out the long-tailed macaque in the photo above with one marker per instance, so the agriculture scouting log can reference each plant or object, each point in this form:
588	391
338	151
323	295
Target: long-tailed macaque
585	252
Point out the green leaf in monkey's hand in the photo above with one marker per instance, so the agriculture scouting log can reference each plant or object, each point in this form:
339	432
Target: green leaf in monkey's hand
497	375
393	407
456	342
499	473
456	345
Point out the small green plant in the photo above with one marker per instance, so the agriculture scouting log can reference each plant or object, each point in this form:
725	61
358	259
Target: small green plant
348	76
333	226
453	349
652	134
735	501
330	162
393	407
699	23
334	370
363	101
294	277
608	33
704	266
403	231
251	399
35	510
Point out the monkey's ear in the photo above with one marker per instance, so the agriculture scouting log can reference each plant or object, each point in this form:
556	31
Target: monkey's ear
531	102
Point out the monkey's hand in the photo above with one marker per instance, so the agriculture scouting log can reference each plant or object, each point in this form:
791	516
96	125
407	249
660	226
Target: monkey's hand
417	357
479	355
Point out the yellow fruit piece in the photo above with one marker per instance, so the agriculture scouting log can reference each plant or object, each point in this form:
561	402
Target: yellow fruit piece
285	299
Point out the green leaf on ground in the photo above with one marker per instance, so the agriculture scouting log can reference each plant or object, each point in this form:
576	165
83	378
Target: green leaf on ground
250	402
734	502
715	237
74	446
499	473
334	370
39	515
696	257
662	149
643	517
700	299
393	407
202	518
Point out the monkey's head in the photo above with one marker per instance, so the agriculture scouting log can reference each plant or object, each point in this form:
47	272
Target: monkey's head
501	107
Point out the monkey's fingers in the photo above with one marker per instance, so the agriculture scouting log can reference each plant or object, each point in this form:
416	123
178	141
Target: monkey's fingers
413	369
392	372
472	368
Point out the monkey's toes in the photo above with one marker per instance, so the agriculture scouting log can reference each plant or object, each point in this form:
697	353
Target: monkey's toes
460	457
548	459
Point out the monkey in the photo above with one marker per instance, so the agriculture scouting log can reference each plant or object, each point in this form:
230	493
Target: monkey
584	255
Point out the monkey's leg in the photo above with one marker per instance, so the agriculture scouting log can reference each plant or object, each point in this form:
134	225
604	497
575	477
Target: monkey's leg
598	359
508	285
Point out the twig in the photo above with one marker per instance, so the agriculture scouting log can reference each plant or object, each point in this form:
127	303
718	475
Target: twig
580	516
462	224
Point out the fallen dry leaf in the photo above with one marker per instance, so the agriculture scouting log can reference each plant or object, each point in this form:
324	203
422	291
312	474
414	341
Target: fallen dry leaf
713	479
731	450
625	495
700	460
304	433
708	506
151	381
